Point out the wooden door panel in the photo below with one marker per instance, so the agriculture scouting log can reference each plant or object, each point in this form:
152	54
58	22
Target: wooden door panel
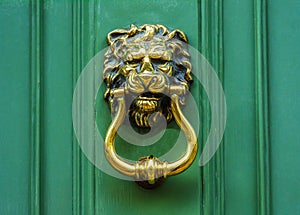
113	195
283	61
15	134
253	46
57	135
240	153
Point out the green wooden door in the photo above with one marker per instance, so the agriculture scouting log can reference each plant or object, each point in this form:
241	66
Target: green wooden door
254	49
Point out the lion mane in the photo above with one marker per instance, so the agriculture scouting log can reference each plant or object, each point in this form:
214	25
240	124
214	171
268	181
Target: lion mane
118	55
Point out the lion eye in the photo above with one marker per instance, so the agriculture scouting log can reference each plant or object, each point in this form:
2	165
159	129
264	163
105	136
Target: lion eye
166	68
133	62
160	62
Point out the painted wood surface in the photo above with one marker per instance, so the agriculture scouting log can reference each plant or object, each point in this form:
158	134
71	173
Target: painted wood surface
254	48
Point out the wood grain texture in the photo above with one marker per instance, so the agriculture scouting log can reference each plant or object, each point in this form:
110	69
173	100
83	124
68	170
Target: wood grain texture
15	107
84	22
254	48
56	147
211	43
239	83
36	84
76	68
86	54
284	104
262	108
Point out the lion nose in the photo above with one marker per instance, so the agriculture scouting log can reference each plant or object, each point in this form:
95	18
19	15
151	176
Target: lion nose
146	65
146	77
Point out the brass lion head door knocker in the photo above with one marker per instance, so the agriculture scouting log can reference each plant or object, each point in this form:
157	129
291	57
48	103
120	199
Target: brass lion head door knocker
150	66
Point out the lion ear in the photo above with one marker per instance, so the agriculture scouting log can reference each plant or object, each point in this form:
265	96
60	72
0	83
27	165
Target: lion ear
179	35
121	33
116	34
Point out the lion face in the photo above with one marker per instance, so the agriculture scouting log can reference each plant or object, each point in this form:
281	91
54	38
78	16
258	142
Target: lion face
146	61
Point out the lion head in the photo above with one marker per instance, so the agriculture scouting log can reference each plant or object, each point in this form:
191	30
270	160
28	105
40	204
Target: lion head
146	59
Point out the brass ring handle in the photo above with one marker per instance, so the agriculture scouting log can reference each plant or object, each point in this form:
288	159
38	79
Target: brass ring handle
150	65
150	168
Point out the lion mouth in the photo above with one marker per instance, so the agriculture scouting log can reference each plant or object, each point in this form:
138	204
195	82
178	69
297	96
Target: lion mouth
146	104
150	108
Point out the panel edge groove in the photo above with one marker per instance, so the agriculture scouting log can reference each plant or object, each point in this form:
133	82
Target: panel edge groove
262	114
76	152
36	17
211	43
